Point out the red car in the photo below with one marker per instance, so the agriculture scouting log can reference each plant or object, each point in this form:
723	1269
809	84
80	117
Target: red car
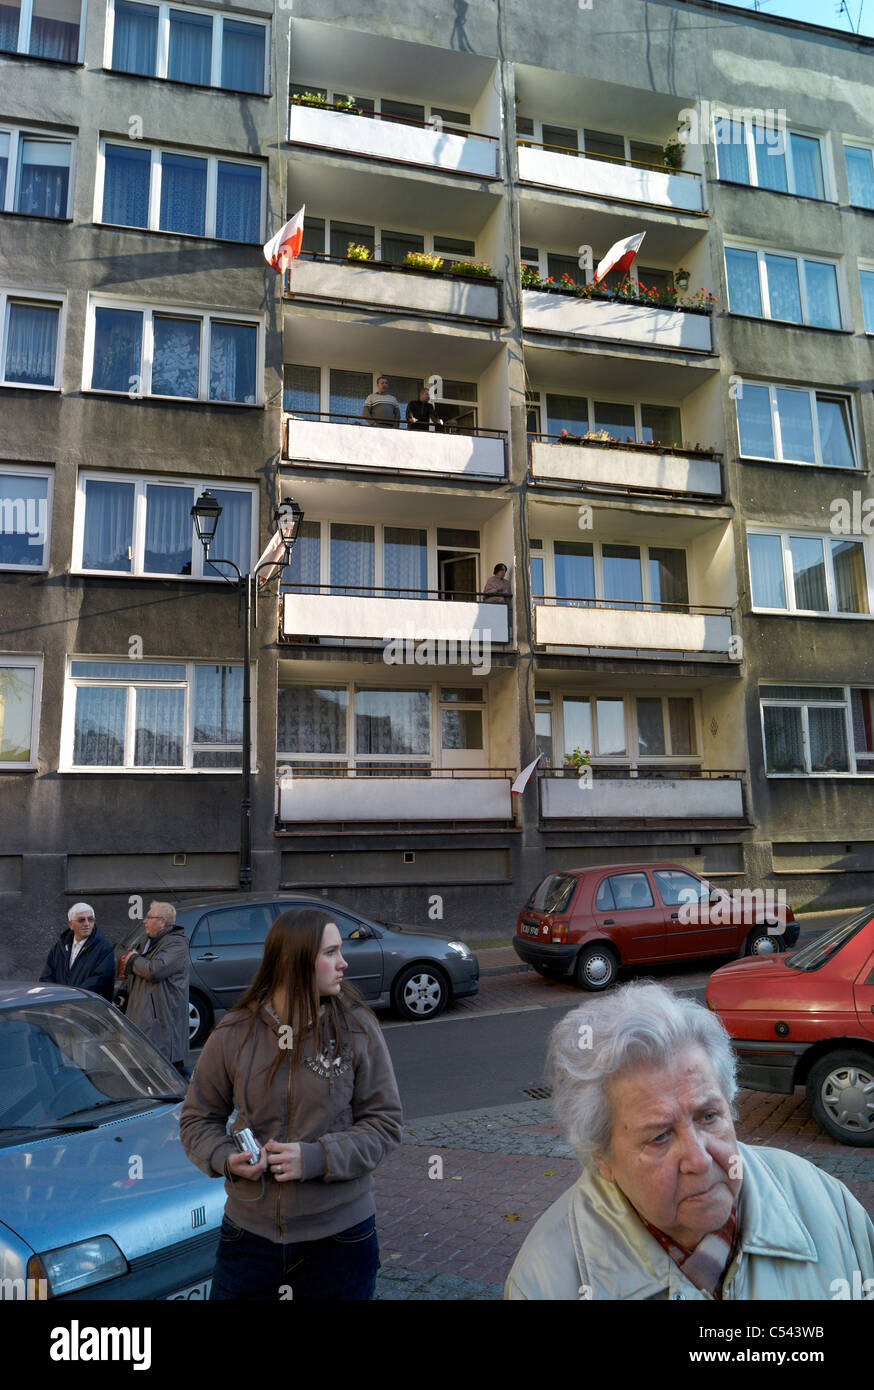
588	922
808	1020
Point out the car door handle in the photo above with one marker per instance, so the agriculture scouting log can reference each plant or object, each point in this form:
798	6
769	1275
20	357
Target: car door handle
674	916
608	922
208	955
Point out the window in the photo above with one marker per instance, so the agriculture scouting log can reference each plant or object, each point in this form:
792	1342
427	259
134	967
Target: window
246	925
601	145
153	352
143	526
333	236
188	45
25	516
637	734
461	718
867	280
630	891
42	28
796	426
816	730
759	153
860	174
809	574
619	575
676	887
20	683
35	174
341	394
772	285
30	333
632	423
185	194
152	715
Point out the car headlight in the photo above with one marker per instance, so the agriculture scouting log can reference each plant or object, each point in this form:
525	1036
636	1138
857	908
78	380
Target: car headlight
76	1266
460	949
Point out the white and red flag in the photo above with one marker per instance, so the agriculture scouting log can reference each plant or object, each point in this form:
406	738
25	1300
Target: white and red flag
274	552
285	246
524	777
620	255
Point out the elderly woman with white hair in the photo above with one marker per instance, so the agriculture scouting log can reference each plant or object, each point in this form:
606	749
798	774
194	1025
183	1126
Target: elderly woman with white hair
669	1205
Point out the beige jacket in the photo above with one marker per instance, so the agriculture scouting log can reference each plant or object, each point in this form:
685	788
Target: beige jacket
801	1234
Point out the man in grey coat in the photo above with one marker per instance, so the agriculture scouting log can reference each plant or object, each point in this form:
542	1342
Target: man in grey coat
157	973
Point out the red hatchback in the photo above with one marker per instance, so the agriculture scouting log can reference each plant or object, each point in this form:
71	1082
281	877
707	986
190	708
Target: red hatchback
808	1020
588	922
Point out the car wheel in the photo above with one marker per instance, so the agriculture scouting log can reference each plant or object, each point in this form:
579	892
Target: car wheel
421	991
760	943
199	1020
596	968
840	1092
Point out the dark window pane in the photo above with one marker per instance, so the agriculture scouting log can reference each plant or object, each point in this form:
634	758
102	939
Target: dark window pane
109	521
126	178
241	926
43	177
176	364
243	56
168	529
23	519
117	346
190	56
631	890
54	30
232	354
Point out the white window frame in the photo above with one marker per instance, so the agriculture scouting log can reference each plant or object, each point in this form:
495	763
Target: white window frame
775	701
761	254
535	399
379	231
379	528
749	143
162	53
777	439
581	153
43	299
855	144
148	311
34	663
16	135
199	570
29	471
68	719
24	28
866	268
831	587
155	171
548	555
631	759
325	389
331	97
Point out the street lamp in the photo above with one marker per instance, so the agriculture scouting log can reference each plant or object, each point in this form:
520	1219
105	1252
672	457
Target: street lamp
288	517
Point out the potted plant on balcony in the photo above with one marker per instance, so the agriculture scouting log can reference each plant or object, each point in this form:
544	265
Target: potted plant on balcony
681	278
422	260
356	252
477	268
672	154
530	278
308	99
576	762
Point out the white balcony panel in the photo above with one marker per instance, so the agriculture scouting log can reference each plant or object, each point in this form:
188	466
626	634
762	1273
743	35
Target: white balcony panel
407	451
411	144
617	321
394	798
562	798
363	284
382	619
578	463
630	628
606	180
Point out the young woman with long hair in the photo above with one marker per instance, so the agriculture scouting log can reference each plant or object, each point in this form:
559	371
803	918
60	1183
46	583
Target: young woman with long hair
301	1062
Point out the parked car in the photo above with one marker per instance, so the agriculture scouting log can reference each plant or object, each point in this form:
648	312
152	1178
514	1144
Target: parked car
418	973
98	1197
589	922
808	1020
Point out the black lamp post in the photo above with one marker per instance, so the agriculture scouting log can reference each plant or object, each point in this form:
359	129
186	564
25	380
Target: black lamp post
206	512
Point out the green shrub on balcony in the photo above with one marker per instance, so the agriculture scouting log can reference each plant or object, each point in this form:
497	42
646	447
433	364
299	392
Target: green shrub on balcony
423	260
358	253
471	268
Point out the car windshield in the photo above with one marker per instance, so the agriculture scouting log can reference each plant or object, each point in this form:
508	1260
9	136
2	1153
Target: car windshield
814	955
554	893
60	1059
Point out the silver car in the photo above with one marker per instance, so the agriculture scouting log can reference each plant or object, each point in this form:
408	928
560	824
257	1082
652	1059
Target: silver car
97	1197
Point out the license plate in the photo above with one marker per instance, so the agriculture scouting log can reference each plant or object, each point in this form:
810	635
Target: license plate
530	929
196	1292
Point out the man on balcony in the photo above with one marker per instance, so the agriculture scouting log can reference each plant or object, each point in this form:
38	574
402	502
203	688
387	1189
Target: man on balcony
422	414
381	407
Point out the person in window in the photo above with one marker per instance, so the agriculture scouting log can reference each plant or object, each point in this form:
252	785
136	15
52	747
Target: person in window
422	414
381	407
497	588
82	956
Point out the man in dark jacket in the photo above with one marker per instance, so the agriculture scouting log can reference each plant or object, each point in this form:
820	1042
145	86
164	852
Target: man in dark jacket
82	956
157	974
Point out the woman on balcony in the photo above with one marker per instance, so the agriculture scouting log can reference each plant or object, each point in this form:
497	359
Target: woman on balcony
497	588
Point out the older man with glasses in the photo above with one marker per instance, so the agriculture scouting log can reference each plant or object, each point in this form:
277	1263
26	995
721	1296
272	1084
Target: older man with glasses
82	956
157	971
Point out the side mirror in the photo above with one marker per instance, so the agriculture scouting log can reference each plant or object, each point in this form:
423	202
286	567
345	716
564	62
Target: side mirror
361	933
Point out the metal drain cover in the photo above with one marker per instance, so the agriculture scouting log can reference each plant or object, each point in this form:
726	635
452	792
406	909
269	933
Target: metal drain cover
537	1092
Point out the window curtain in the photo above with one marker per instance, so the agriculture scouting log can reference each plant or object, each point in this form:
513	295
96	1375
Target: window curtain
109	521
232	362
54	37
862	715
243	56
43	178
183	194
783	291
4	170
577	725
98	740
835	432
650	728
828	739
392	721
304	569
238	203
176	356
807	166
808	572
621	574
135	38
10	16
851	582
574	571
233	535
301	389
569	413
784	741
742	271
616	419
218	704
23	499
682	724
754	422
349	391
770	147
867	278
16	713
823	307
351	559
766	571
159	728
731	151
190	55
860	175
169	529
796	425
31	343
118	337
667	575
127	173
311	720
406	562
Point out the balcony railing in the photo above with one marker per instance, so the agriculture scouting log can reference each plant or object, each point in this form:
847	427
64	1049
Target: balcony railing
625	467
348	441
609	176
616	320
667	792
457	619
406	793
384	284
620	624
397	139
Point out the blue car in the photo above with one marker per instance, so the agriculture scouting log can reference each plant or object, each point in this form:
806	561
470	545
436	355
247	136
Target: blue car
97	1197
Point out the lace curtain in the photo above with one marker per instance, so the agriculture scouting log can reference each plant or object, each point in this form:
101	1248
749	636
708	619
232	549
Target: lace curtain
392	722
406	562
574	570
169	529
127	174
176	356
351	559
796	425
98	740
159	728
183	194
238	203
232	362
233	534
118	337
731	152
218	704
621	573
31	344
311	720
823	308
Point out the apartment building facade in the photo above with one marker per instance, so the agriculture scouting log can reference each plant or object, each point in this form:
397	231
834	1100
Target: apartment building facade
677	487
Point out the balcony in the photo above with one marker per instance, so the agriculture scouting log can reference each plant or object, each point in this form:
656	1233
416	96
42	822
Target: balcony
680	630
671	794
462	626
384	285
629	468
396	139
618	321
348	442
600	176
411	794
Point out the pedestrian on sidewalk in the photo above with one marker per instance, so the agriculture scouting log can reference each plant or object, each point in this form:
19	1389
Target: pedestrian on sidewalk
157	971
82	956
302	1063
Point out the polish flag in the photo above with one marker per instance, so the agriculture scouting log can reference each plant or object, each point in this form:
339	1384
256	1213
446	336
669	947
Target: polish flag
524	777
620	256
285	246
274	553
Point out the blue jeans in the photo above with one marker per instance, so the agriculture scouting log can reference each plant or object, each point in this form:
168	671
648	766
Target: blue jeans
341	1267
